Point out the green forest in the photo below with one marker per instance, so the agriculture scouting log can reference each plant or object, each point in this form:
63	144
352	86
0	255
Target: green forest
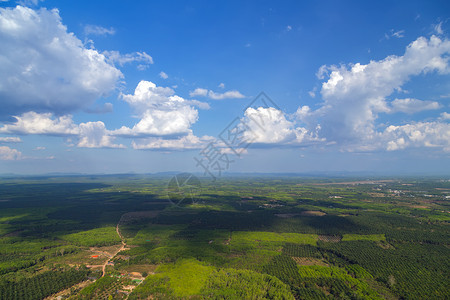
254	237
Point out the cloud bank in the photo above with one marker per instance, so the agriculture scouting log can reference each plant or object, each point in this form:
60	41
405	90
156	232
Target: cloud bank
53	71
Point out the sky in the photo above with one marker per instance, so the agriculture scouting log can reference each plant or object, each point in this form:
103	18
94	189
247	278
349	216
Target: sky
225	86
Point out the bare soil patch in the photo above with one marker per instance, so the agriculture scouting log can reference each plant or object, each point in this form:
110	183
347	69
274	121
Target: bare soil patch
139	268
286	216
309	261
312	213
330	238
419	206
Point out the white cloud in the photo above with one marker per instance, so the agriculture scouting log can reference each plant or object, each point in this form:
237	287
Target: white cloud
27	2
95	135
226	95
39	148
162	113
189	141
438	28
53	71
35	123
221	85
421	134
354	95
216	96
411	106
7	153
163	75
392	33
98	30
115	57
398	34
90	134
288	28
445	116
10	140
199	104
267	125
198	92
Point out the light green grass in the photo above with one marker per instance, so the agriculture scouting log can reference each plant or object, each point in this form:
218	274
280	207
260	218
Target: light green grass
273	237
103	236
187	276
364	237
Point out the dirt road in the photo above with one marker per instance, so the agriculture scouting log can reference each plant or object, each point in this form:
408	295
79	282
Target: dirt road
115	253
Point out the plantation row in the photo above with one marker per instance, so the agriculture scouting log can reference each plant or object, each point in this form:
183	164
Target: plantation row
411	271
311	281
41	285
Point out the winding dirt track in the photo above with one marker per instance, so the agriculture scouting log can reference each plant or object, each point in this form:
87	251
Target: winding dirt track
115	253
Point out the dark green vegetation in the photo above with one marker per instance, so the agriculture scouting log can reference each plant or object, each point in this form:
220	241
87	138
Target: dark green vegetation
258	238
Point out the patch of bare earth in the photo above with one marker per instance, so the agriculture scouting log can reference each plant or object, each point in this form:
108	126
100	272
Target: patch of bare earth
107	251
312	213
139	269
309	261
419	206
67	292
385	245
330	238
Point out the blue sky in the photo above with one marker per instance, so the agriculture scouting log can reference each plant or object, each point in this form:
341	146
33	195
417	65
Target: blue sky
147	86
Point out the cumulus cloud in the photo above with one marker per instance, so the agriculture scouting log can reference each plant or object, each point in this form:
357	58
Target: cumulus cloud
53	71
90	134
421	134
7	153
267	125
35	123
98	30
354	95
411	106
270	126
216	96
95	135
445	116
161	112
199	92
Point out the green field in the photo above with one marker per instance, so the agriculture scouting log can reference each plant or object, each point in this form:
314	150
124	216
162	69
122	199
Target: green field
243	238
